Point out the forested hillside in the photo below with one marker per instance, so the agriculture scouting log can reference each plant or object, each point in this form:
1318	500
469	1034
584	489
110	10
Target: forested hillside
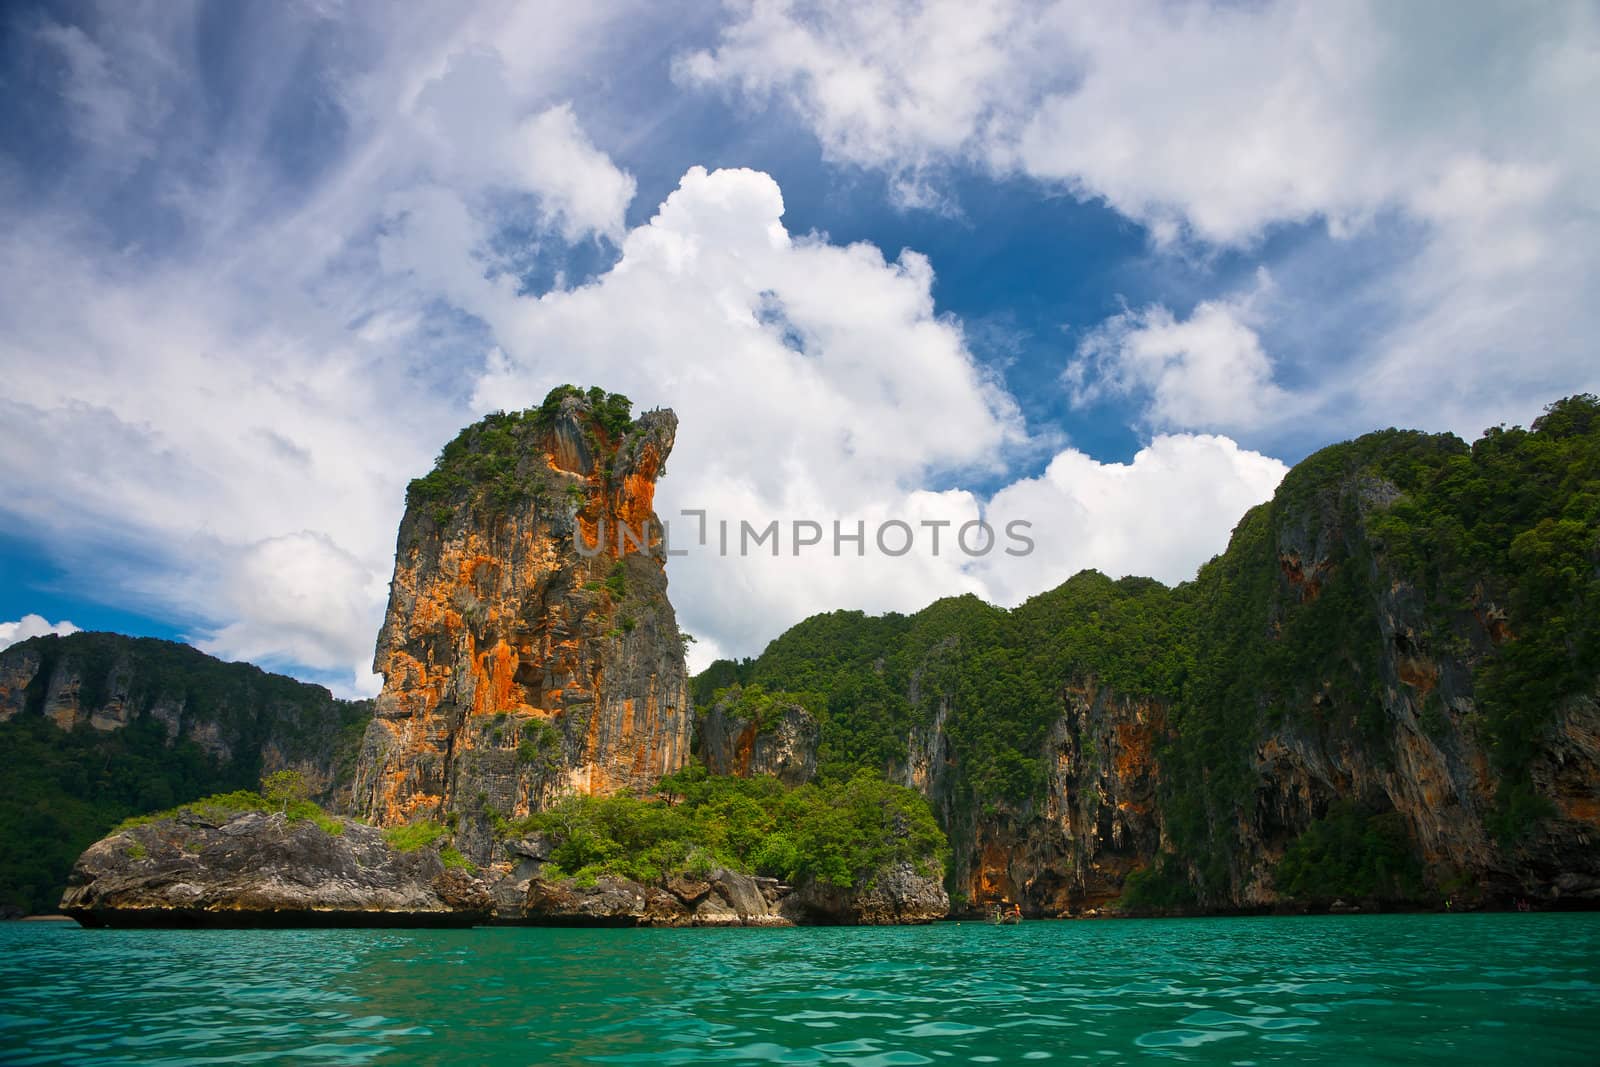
96	727
1388	680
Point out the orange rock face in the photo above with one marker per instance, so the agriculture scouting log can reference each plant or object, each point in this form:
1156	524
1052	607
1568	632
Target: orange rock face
529	649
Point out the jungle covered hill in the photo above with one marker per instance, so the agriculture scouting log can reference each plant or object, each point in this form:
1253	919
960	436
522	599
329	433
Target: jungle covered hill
1383	693
1385	689
98	727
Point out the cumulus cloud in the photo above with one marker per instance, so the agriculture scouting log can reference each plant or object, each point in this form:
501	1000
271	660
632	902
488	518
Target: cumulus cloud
31	625
1212	125
817	382
1206	371
216	426
1162	514
579	187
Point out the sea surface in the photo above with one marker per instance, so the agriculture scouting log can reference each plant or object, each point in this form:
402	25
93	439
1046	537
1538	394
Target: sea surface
1521	989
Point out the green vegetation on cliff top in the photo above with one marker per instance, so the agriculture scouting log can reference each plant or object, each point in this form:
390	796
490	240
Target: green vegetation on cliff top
489	463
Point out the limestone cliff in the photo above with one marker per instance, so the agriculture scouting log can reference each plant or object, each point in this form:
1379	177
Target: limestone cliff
1095	819
241	718
1386	689
96	727
529	648
745	733
1396	724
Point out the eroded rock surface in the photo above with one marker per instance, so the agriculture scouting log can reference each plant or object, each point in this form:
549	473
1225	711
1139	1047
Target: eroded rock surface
260	869
721	898
245	721
529	648
896	895
784	746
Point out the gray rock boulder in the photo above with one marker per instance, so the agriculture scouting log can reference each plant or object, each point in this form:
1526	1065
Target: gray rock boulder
721	898
897	895
259	869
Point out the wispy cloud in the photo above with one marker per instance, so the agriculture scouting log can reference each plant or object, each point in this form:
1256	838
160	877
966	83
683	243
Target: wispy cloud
1215	126
1207	371
245	301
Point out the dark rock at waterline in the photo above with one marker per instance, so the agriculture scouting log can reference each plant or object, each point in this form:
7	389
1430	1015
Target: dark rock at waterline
897	895
720	898
258	869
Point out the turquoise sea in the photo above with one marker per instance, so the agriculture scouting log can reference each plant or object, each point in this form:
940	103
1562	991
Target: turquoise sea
1357	989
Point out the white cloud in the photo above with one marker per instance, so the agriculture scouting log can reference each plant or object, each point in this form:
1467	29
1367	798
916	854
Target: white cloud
1162	514
1208	371
32	626
1221	119
891	85
476	134
1464	130
817	382
578	185
106	103
220	430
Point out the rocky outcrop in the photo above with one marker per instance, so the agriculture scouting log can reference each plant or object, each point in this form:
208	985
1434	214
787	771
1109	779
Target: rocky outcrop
780	740
529	648
258	869
1096	820
201	867
1401	731
532	891
19	666
897	895
1388	679
245	721
1399	735
721	898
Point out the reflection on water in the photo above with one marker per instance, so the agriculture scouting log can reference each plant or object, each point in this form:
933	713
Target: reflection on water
1475	988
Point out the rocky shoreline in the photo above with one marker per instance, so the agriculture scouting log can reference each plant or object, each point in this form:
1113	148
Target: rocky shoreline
267	870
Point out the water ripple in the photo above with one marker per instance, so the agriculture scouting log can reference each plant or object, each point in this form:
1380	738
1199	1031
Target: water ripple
1438	989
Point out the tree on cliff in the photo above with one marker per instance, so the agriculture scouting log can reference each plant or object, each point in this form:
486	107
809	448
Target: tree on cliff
285	788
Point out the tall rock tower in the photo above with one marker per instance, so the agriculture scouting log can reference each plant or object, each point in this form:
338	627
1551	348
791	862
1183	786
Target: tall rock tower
529	648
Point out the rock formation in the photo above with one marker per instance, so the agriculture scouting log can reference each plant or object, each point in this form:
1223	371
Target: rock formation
780	739
529	653
529	894
529	648
238	715
898	895
1097	818
97	727
1386	691
1389	679
895	896
261	869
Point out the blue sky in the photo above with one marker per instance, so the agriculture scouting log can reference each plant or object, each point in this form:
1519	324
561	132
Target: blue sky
1104	270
